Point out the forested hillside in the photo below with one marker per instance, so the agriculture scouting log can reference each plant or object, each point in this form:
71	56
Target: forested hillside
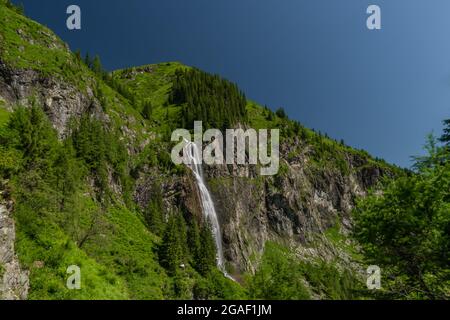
86	179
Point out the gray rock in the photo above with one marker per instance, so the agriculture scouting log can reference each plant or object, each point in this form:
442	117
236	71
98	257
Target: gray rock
14	282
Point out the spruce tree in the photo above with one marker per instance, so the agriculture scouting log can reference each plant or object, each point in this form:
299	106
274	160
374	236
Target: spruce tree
87	60
209	98
445	138
153	214
97	66
281	113
193	240
172	252
78	55
147	110
207	255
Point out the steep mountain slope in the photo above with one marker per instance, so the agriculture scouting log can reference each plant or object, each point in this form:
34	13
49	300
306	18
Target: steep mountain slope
37	68
92	184
316	187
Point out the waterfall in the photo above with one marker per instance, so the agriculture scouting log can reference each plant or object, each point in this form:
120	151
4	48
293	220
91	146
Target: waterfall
194	160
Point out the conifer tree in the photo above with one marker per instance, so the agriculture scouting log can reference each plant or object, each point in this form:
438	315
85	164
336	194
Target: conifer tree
154	214
147	110
194	242
78	55
87	60
208	98
97	66
207	255
281	113
172	252
445	138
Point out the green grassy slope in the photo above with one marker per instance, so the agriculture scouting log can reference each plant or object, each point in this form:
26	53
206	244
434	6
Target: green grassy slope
107	239
154	82
44	244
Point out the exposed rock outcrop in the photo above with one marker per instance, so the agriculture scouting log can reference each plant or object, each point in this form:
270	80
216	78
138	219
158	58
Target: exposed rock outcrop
61	100
294	208
291	208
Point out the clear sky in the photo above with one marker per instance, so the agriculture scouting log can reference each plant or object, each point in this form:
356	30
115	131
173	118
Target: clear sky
382	91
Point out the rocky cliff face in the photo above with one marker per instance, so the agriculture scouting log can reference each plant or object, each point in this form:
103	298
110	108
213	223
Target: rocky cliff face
295	207
14	282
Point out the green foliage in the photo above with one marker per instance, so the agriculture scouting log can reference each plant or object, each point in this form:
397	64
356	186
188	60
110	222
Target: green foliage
91	143
324	153
436	155
95	65
154	213
25	44
181	245
4	114
40	239
281	113
342	242
10	161
63	219
216	102
445	138
16	8
330	282
194	242
69	174
31	132
215	286
206	254
42	179
126	248
102	151
278	277
58	225
147	110
282	276
405	231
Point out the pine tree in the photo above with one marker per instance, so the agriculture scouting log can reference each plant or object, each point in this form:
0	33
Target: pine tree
445	138
167	114
209	98
87	60
153	214
281	113
97	66
34	135
207	255
17	8
194	242
78	55
68	172
173	249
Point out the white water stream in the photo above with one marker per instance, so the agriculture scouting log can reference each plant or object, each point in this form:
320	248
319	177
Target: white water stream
194	158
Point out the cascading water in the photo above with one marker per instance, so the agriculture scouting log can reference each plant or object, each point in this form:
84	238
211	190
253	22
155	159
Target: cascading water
194	161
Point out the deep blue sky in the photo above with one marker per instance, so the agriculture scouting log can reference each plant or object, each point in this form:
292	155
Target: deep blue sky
378	90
